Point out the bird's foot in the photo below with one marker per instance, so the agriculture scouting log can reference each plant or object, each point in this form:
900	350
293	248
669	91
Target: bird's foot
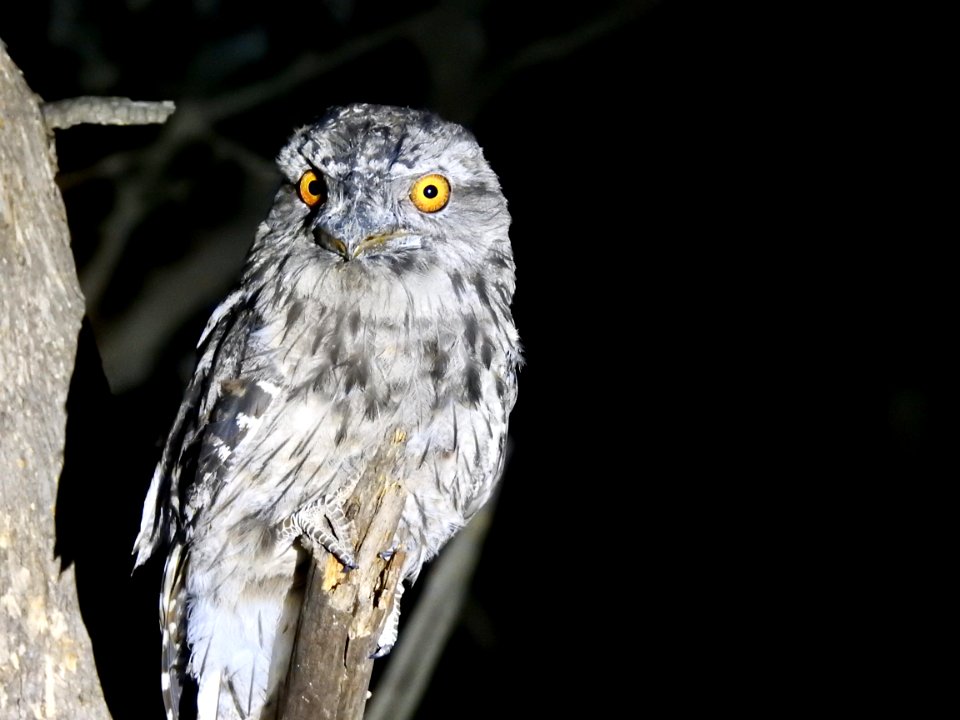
322	523
389	635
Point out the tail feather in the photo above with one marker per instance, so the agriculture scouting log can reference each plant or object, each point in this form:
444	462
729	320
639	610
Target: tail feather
238	637
174	630
209	699
227	634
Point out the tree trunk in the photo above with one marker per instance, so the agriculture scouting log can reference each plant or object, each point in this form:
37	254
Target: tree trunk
46	661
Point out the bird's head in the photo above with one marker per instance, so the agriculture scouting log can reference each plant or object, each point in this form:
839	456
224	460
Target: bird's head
377	190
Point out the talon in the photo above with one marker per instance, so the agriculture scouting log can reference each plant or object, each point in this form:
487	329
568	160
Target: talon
381	651
323	524
388	635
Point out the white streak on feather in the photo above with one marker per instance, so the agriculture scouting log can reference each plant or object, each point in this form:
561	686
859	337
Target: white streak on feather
269	388
247	422
218	314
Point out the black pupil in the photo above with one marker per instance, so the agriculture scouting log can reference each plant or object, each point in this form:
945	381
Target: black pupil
430	192
315	188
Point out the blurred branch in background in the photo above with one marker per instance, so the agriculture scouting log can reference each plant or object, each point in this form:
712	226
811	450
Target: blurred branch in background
463	72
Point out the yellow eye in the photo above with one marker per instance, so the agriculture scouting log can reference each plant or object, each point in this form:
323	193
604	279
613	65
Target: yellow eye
430	193
312	189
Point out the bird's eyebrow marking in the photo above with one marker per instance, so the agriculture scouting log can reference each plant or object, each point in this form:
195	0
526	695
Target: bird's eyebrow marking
312	165
398	148
318	157
308	149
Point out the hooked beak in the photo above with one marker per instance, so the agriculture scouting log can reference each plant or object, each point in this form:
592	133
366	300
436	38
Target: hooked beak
369	245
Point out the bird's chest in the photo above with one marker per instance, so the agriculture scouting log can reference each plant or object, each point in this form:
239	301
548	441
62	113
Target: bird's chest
337	388
348	370
349	384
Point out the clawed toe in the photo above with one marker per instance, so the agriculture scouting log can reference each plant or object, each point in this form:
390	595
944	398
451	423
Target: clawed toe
323	524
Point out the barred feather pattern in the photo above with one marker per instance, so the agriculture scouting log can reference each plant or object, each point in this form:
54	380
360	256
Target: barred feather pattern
321	355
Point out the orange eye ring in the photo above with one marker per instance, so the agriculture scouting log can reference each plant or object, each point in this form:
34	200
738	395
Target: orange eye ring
430	193
312	189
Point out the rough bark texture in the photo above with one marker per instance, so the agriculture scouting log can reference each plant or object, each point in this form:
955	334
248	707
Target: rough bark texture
425	634
344	612
105	111
46	662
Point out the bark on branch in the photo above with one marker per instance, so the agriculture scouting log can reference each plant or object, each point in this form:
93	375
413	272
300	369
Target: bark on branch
344	612
105	111
46	661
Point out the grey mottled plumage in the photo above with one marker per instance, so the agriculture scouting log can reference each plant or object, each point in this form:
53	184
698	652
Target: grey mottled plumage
359	314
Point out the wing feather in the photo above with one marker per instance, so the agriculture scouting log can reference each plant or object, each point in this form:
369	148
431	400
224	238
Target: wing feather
162	507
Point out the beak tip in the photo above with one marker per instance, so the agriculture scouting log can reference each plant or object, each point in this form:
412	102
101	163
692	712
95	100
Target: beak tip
331	243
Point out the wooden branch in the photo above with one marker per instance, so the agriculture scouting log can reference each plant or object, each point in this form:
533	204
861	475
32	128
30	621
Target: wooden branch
428	628
344	612
105	111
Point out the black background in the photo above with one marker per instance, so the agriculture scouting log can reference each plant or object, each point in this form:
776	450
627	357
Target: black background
732	295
